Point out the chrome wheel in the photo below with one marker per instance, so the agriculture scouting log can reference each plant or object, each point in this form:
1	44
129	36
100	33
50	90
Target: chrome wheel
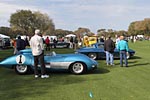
77	68
21	69
92	55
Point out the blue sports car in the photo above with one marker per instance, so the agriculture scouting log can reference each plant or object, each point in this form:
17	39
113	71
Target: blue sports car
23	63
96	51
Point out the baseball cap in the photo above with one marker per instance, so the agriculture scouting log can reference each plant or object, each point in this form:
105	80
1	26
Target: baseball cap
37	31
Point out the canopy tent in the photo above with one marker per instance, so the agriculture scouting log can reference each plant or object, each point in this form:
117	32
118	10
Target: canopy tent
4	36
70	35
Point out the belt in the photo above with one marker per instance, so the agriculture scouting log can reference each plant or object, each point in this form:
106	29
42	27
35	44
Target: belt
122	50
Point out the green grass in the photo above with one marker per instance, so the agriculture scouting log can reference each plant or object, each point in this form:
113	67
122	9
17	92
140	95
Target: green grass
105	83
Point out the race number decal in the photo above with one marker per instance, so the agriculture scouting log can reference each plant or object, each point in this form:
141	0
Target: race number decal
20	59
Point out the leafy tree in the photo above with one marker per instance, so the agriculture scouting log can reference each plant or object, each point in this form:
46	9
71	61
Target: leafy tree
5	30
122	32
102	32
139	27
62	33
27	21
111	33
44	23
80	32
131	29
147	25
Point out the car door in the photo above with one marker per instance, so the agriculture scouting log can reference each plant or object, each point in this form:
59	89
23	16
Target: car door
116	53
102	54
56	62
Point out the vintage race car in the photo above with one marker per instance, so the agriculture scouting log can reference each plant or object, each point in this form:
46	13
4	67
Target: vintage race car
23	63
96	51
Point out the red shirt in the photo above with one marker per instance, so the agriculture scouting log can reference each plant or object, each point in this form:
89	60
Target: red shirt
47	40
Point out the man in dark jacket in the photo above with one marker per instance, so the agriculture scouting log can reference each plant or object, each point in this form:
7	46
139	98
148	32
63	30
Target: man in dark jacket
109	47
20	44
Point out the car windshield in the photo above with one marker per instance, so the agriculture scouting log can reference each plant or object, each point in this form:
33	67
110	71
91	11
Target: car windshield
53	53
100	45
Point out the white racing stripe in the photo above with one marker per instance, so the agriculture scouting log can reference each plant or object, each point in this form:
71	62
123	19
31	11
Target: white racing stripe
62	65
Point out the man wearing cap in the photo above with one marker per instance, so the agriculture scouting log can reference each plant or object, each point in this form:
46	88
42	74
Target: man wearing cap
123	48
109	47
37	47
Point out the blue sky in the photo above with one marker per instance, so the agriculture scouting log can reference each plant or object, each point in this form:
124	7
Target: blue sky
72	14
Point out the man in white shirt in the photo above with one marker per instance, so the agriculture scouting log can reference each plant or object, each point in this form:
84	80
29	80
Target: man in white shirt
117	40
37	47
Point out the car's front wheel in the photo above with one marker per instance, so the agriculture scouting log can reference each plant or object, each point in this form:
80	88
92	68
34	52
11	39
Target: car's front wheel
78	68
22	69
92	55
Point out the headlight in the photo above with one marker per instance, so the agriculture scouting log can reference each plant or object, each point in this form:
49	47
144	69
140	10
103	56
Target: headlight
93	66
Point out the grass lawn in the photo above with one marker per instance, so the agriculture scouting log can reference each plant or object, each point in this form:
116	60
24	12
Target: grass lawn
105	83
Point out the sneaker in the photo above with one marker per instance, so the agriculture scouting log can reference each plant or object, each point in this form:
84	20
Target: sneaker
36	76
44	76
112	64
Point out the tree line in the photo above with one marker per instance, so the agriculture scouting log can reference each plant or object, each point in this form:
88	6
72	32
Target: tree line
24	22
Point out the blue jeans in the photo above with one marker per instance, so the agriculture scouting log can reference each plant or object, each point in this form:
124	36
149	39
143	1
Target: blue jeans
109	58
123	56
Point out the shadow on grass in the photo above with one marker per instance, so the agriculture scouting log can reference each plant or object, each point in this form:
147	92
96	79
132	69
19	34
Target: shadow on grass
136	57
132	61
138	64
99	71
135	64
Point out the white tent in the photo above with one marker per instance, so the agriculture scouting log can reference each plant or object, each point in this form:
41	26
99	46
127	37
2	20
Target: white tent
70	35
4	36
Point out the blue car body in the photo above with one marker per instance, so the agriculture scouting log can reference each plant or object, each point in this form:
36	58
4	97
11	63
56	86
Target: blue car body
96	51
24	62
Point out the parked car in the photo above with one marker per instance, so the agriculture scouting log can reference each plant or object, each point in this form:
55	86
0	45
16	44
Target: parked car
96	51
23	63
60	45
4	43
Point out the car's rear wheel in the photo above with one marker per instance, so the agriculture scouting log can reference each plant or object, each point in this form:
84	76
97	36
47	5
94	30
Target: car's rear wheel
92	55
22	69
78	68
